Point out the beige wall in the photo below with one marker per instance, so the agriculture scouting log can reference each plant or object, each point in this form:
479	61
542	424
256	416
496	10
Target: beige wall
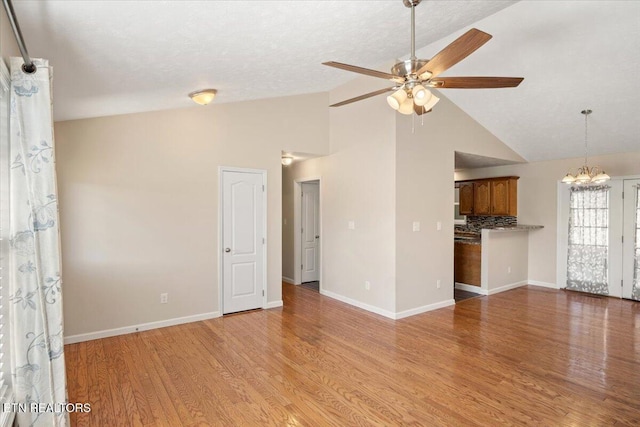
358	184
504	259
384	177
139	204
425	193
537	201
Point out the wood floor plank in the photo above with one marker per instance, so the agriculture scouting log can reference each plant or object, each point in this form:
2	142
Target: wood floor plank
529	356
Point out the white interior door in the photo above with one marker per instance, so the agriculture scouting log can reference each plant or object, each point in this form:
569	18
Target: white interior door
310	232
242	240
631	245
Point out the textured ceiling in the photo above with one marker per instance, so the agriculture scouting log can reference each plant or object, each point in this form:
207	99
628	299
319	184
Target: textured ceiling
116	57
573	55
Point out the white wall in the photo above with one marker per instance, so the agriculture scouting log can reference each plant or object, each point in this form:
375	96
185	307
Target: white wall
537	201
139	204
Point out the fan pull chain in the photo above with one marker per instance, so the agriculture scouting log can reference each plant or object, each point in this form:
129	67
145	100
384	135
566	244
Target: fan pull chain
413	123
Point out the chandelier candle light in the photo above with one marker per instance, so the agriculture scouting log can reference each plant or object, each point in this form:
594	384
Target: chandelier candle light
586	175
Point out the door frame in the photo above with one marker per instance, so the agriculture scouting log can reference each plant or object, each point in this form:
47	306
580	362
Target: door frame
297	224
263	173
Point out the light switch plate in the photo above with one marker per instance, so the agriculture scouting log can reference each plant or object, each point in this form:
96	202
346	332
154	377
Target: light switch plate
439	225
416	225
352	225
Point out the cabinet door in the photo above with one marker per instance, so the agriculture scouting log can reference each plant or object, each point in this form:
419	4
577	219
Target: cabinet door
482	198
500	197
466	198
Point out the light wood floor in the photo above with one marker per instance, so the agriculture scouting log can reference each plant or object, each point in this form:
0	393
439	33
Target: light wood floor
530	356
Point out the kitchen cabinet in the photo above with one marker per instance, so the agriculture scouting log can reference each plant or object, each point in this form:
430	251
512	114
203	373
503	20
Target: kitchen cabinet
482	198
466	264
465	192
491	196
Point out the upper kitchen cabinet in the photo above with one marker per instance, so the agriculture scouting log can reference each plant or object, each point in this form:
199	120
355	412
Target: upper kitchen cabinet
491	196
466	198
482	198
504	196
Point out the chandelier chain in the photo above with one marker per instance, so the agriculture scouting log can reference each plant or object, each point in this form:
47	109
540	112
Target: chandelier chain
586	115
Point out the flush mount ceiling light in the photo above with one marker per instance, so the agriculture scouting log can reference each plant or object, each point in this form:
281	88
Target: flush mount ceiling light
586	175
287	160
412	77
203	97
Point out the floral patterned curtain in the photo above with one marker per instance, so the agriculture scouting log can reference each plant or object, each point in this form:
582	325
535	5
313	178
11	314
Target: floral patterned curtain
37	357
635	292
588	247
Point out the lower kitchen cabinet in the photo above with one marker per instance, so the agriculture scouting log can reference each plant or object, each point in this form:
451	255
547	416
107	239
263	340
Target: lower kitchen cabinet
466	263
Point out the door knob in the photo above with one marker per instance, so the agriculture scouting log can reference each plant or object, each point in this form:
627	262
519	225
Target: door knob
227	249
317	237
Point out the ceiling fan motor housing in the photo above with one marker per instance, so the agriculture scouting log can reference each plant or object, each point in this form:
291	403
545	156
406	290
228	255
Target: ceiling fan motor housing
408	67
411	3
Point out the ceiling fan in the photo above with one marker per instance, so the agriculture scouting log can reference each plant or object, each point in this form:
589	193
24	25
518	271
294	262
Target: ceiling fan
412	77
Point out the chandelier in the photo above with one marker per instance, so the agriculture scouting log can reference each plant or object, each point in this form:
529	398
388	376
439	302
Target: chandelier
586	175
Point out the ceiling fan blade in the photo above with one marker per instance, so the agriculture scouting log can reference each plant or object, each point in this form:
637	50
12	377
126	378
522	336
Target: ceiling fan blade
475	82
365	96
459	49
420	110
365	71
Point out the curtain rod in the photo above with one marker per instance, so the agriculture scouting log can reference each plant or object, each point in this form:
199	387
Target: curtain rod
28	66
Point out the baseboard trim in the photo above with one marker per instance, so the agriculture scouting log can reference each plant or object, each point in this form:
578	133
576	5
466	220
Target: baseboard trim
72	339
424	309
273	304
507	287
358	304
386	313
471	288
543	284
288	280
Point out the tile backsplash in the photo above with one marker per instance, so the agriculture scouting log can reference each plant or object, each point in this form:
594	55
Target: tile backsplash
477	223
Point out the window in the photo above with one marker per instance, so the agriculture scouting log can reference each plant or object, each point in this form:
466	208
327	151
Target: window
588	245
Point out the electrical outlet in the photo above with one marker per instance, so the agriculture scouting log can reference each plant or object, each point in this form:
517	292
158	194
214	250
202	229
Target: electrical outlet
352	225
367	285
439	225
416	225
285	221
438	283
164	298
508	270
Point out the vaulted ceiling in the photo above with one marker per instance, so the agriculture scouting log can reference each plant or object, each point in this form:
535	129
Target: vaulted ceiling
130	56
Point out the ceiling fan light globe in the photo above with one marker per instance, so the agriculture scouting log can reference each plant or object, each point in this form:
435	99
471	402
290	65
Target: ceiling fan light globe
431	103
393	103
406	107
396	99
420	95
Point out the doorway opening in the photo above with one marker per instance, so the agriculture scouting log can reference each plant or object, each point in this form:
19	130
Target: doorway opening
307	233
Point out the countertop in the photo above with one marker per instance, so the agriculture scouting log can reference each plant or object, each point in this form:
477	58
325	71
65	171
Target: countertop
519	227
473	237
